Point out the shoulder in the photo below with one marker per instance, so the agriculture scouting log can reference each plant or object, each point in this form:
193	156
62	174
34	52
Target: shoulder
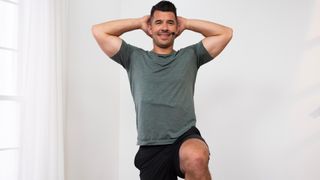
199	52
125	44
192	48
126	49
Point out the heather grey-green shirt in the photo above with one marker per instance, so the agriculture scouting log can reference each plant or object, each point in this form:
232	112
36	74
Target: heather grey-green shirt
162	87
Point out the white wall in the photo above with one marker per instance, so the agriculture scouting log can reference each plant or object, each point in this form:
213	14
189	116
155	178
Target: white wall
257	104
92	97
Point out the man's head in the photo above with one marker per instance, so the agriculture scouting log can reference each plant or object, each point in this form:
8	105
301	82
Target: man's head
163	24
165	6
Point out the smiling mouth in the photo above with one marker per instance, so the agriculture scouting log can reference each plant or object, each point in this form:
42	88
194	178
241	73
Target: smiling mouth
164	35
167	33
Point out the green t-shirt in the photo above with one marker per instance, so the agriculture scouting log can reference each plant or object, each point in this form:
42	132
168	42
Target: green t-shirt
162	87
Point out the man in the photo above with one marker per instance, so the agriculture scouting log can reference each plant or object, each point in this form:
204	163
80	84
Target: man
162	85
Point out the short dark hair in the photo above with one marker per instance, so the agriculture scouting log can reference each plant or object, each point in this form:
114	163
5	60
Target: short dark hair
165	6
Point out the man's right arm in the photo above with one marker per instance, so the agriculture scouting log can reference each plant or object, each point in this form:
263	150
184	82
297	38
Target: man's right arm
107	34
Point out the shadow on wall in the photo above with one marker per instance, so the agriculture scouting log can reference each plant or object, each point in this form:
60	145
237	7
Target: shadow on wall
306	110
316	113
308	77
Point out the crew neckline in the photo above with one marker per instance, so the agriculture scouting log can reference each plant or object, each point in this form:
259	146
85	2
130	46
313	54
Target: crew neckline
163	55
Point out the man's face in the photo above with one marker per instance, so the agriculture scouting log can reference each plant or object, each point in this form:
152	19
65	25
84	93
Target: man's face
163	24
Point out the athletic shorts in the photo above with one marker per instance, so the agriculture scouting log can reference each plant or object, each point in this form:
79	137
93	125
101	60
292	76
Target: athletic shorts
161	162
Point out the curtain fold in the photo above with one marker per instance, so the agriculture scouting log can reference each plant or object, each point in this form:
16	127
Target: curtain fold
42	30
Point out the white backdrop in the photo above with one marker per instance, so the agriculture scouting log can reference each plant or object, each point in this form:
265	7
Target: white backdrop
257	104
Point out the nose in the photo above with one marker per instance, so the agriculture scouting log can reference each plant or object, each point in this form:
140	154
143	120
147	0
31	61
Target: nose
164	27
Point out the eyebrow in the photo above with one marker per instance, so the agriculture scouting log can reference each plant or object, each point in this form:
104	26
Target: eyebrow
159	20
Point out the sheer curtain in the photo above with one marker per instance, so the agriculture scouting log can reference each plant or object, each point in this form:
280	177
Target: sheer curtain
42	53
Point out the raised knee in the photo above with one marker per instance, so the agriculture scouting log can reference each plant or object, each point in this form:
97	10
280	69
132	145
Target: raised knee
196	162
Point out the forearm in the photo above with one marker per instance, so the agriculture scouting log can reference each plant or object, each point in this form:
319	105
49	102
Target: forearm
206	28
118	27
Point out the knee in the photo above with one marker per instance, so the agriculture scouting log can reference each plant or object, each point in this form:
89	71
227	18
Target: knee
196	162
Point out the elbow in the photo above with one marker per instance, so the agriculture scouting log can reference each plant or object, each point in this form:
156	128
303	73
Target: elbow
97	31
94	30
229	33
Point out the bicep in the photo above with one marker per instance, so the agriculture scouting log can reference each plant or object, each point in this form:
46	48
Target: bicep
215	44
108	43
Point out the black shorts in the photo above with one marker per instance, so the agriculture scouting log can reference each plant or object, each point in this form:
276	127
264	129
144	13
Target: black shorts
161	162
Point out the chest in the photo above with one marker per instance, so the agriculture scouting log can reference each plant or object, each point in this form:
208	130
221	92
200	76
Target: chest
157	72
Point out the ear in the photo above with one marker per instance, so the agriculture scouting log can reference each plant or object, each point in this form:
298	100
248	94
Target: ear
149	29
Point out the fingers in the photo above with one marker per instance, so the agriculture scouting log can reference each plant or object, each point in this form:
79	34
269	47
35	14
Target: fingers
146	19
145	22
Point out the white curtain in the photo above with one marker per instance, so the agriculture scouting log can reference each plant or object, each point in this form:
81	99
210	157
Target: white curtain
42	53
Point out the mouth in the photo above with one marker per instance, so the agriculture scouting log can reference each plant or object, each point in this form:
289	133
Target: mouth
164	35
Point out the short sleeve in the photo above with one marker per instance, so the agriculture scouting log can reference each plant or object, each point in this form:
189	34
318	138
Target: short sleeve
123	55
202	54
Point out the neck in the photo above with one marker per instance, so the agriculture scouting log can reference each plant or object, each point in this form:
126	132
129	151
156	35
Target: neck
159	50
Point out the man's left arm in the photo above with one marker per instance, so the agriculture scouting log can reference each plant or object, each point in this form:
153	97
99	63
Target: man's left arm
216	36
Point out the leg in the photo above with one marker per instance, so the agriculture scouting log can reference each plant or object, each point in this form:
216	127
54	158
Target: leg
194	159
155	163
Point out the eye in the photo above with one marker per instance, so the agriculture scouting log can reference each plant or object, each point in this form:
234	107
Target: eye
158	22
171	22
